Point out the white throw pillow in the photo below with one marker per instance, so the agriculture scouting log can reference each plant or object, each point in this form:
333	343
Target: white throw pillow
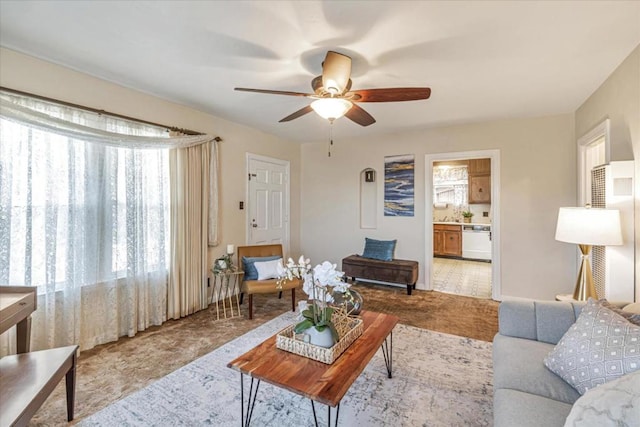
616	403
268	269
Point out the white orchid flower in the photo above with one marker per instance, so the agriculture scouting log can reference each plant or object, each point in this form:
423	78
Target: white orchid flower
342	287
326	274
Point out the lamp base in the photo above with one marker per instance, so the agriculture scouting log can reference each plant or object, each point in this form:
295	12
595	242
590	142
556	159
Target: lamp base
584	284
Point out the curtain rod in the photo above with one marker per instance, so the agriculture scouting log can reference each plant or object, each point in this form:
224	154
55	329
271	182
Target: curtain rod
103	112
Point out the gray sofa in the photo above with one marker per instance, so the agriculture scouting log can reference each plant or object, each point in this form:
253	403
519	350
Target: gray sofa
526	393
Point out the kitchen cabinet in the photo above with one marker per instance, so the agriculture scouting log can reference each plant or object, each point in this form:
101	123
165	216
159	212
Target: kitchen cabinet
447	240
479	189
479	167
479	181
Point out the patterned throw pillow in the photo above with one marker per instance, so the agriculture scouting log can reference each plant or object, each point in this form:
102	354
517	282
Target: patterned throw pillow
601	346
379	249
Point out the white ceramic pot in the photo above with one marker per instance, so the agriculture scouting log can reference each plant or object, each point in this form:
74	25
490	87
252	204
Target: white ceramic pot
321	339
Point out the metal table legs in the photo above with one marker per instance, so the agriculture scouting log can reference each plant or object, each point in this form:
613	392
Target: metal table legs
387	352
251	401
313	406
226	286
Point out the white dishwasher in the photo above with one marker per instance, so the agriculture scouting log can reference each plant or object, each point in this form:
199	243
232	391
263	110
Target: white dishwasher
476	242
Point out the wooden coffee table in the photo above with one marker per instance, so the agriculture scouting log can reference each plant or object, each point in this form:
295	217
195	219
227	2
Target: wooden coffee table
317	381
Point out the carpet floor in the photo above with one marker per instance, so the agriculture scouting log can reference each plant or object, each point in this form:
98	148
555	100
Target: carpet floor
448	378
113	371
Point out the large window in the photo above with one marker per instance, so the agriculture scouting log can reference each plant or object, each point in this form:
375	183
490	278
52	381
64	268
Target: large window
74	213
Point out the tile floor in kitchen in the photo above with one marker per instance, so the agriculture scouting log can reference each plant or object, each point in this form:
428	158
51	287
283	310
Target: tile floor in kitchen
462	277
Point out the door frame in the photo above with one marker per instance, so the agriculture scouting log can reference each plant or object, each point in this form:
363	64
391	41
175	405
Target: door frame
602	129
494	155
287	204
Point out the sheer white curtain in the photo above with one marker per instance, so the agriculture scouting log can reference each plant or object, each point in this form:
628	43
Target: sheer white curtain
86	222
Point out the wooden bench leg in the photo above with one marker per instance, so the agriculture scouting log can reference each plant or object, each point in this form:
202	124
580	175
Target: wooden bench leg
70	381
241	297
280	295
409	287
293	299
250	306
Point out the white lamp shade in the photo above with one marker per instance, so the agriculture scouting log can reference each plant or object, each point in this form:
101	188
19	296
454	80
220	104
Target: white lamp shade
589	226
331	108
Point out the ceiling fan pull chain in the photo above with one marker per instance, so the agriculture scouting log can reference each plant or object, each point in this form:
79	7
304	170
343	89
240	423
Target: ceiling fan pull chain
330	136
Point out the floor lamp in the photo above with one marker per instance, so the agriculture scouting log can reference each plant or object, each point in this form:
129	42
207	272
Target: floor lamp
588	227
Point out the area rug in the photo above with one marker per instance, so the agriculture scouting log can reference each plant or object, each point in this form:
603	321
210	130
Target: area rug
438	380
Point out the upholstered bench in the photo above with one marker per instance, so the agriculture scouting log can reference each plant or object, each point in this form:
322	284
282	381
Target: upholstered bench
400	271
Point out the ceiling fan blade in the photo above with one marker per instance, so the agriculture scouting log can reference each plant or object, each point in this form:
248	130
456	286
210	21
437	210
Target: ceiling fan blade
299	113
336	72
274	92
389	94
358	115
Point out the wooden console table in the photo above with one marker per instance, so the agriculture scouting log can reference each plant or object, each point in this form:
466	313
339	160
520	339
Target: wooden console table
29	378
16	305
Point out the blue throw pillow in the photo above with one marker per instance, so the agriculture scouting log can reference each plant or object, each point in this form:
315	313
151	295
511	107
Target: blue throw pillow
250	272
379	249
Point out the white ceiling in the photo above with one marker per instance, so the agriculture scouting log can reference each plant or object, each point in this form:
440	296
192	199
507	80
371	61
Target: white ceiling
483	60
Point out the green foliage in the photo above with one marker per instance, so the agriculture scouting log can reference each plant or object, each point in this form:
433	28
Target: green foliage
320	318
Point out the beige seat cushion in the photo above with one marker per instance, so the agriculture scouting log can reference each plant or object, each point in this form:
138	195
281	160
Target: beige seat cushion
268	286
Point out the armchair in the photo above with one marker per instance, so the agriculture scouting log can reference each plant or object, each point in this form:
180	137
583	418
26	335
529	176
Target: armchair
268	286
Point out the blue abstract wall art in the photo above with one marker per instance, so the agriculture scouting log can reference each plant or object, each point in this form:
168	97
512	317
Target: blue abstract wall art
399	174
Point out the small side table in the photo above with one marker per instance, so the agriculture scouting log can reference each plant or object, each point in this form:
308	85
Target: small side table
226	285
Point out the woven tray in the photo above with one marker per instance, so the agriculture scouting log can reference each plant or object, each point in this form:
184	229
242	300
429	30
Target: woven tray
286	340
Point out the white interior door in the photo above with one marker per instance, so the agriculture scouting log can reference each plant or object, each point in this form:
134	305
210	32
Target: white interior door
268	201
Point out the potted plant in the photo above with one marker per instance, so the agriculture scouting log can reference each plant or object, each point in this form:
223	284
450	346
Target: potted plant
467	215
319	284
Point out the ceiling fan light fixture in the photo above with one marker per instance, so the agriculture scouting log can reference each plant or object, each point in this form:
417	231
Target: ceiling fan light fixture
331	108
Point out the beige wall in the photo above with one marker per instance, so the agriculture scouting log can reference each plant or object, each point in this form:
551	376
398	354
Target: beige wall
21	72
538	170
618	99
538	174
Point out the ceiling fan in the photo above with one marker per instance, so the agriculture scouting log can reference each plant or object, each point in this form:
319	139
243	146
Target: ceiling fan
333	97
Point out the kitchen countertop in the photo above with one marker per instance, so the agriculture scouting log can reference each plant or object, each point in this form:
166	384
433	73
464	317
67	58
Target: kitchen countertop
462	223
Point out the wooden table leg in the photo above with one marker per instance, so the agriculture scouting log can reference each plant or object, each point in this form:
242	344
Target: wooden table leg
23	335
70	383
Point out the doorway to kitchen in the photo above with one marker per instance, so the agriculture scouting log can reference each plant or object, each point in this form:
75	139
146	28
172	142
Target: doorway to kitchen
462	223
